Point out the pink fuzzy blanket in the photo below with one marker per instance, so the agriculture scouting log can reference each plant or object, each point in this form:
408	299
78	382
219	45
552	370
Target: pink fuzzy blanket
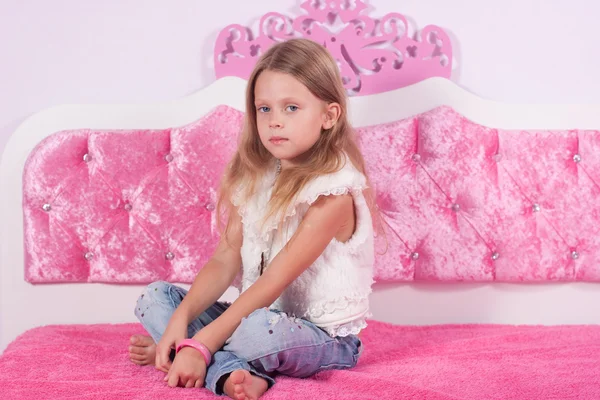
407	362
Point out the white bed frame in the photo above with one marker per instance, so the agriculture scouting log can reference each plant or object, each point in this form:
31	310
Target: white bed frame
24	306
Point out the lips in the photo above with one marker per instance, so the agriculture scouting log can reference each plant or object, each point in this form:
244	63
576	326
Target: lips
277	140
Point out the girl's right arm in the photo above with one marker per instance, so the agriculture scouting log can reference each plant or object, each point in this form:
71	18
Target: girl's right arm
208	286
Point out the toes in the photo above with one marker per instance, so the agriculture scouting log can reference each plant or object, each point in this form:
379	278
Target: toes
247	376
141	340
146	341
237	377
138	350
138	357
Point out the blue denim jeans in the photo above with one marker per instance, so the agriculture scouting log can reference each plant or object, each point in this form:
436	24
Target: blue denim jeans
266	343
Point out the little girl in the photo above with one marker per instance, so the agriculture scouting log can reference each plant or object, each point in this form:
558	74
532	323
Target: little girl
299	231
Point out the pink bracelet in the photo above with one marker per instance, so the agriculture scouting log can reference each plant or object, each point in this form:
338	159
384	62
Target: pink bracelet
198	346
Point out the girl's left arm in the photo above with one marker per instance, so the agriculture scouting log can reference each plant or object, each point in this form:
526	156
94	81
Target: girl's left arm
317	229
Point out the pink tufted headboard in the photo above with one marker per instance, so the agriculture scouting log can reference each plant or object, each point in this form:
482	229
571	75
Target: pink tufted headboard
459	201
125	206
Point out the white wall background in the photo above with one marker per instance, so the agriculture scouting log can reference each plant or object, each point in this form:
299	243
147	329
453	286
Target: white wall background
124	51
128	51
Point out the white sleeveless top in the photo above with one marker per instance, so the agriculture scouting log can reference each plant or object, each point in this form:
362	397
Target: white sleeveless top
333	292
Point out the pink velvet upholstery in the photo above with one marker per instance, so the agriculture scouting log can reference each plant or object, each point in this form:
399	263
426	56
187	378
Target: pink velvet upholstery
459	201
443	362
466	202
141	208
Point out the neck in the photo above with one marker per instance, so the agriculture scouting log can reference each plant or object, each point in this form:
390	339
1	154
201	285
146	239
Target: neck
286	164
295	162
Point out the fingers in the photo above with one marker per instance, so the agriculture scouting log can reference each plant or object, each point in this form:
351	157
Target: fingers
173	379
158	357
162	369
190	382
158	365
162	361
185	371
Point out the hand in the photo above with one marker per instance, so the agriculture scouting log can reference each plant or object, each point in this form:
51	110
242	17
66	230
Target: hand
188	369
176	332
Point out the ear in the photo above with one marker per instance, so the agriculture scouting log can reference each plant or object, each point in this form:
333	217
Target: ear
332	114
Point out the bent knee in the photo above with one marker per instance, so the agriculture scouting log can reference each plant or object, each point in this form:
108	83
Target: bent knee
251	328
156	292
253	322
263	331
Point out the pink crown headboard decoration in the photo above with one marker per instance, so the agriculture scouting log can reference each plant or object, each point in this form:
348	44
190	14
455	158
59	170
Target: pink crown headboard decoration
374	55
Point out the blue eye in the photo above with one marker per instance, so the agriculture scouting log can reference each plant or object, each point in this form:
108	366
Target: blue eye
293	108
263	109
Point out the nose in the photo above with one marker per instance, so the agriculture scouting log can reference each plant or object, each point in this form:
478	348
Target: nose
275	121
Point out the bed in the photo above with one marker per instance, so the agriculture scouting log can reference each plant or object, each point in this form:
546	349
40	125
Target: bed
489	287
487	276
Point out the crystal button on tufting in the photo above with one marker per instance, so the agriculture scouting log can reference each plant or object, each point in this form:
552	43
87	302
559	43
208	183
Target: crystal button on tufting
46	207
169	256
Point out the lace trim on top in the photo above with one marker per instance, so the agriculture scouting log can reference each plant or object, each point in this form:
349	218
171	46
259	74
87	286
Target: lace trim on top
347	329
331	307
342	182
346	180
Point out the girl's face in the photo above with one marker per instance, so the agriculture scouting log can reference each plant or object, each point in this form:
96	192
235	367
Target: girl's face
289	117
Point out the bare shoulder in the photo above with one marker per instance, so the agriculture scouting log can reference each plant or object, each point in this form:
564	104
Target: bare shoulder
344	218
336	204
335	213
323	221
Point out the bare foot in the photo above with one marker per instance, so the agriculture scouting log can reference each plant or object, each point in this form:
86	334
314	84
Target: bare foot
142	350
241	385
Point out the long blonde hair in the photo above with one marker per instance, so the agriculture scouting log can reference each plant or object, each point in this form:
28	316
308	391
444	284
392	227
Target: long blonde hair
313	66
